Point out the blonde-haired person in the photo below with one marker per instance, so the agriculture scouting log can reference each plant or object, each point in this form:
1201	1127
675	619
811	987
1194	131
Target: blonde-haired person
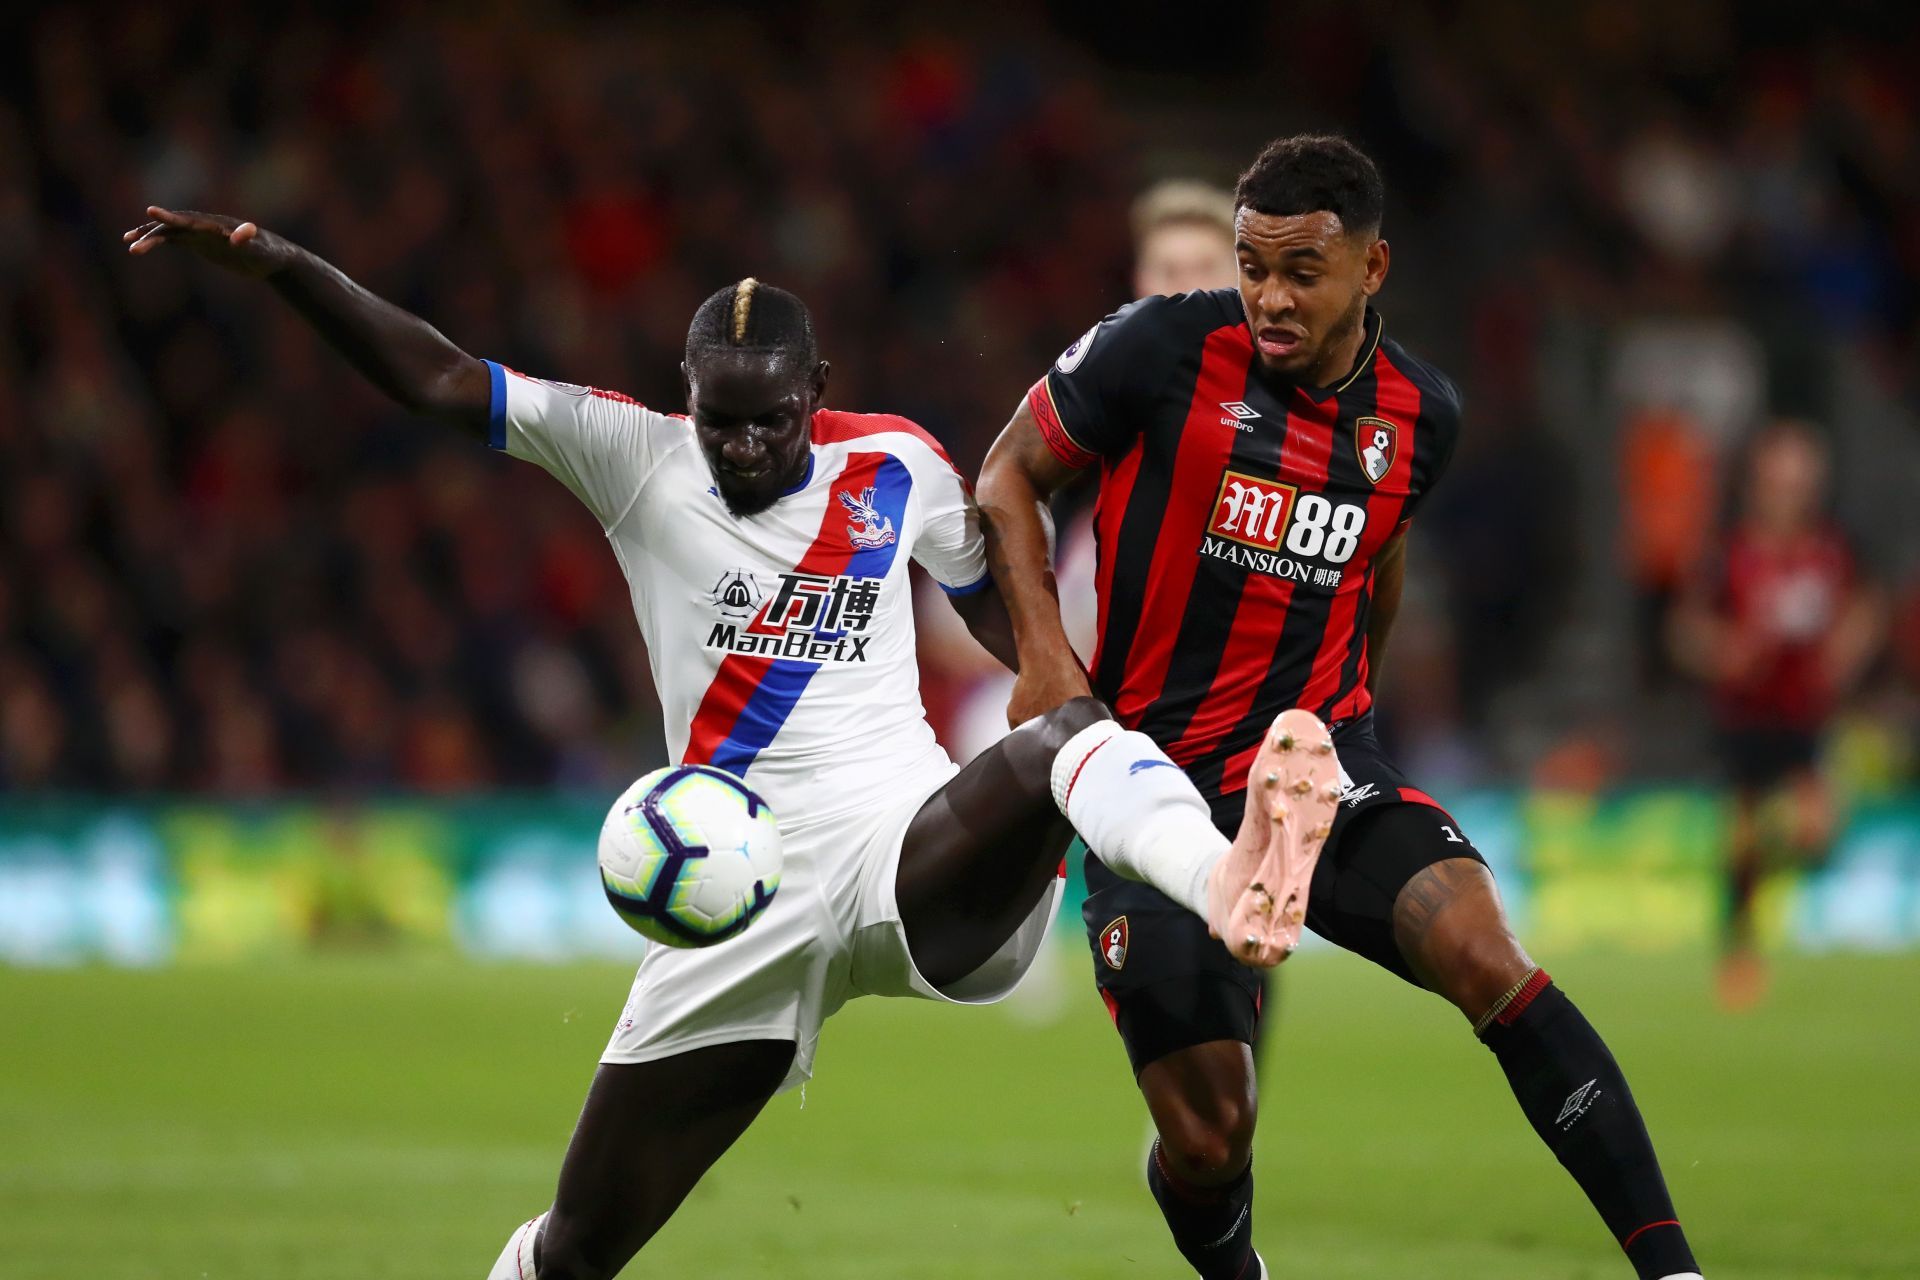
1182	241
1182	238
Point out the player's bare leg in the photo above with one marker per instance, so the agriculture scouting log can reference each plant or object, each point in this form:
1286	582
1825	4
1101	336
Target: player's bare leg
1742	978
1260	887
648	1133
1204	1101
1794	823
1813	818
984	847
1203	1098
1449	924
1450	927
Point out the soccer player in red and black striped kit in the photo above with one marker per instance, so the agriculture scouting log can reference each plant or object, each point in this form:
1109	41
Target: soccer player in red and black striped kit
1262	453
1782	624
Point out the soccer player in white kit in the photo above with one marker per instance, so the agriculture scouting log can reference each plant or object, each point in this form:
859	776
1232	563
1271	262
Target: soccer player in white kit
765	541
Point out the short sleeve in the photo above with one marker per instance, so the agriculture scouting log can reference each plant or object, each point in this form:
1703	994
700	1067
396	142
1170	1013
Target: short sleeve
600	444
950	546
1094	400
1439	423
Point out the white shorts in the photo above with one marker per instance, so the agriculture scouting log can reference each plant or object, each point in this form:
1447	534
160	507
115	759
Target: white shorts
833	932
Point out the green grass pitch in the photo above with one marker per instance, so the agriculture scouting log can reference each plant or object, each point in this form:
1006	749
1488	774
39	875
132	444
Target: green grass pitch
385	1118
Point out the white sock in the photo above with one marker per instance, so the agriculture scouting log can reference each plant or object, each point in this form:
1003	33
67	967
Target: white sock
1137	810
516	1260
1685	1275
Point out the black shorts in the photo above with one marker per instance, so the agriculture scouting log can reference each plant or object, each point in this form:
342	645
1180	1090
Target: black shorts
1760	757
1170	986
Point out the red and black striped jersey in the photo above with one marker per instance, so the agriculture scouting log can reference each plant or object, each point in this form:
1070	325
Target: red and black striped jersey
1238	520
1782	598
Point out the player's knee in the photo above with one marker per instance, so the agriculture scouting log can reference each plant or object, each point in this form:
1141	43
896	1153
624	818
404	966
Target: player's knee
1473	965
1452	931
1206	1135
1211	1147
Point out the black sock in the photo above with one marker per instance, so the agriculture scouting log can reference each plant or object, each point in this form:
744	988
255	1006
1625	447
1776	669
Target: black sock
1212	1226
1578	1102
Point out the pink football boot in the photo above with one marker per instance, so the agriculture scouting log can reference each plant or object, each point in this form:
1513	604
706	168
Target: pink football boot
1257	895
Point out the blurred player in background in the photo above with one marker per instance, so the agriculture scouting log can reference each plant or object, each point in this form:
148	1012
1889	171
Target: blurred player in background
1182	241
1781	628
1262	453
1182	238
762	538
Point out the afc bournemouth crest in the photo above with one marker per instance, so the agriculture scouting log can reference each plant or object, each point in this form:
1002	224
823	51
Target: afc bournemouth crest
1113	944
1377	441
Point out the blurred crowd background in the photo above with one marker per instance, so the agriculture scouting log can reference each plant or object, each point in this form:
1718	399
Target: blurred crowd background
1634	232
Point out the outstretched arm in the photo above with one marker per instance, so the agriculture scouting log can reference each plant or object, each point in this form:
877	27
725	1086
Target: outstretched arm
1021	472
398	352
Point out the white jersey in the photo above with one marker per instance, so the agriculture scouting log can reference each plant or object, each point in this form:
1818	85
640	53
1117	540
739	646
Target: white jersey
782	644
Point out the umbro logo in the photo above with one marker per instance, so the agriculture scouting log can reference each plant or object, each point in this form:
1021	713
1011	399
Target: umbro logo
1242	412
1578	1103
1355	796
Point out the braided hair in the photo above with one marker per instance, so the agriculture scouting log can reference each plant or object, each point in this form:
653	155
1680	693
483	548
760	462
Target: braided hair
751	316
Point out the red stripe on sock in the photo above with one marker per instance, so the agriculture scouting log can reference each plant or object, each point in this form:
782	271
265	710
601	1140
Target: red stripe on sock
1068	798
1518	1005
1628	1242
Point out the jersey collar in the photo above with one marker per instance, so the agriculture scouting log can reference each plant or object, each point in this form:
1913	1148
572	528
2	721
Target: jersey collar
806	477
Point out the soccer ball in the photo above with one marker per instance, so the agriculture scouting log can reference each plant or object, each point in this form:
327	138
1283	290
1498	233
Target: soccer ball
689	856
